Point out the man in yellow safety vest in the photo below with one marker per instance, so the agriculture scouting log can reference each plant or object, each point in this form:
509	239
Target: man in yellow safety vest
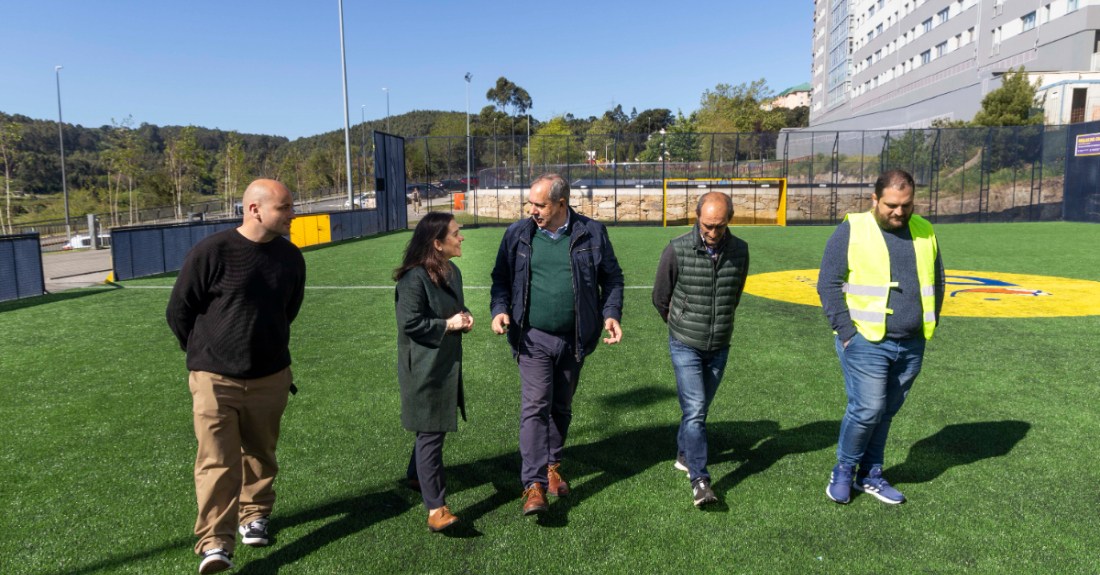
881	286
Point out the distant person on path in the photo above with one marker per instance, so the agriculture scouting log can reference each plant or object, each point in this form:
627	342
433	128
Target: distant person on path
700	279
431	318
416	201
556	286
231	309
881	286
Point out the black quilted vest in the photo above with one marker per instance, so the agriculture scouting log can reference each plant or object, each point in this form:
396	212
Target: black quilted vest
706	293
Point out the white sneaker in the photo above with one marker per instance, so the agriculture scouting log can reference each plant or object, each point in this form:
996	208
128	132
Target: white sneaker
255	533
215	561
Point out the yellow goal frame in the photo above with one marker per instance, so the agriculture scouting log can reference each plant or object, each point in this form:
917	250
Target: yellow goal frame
781	211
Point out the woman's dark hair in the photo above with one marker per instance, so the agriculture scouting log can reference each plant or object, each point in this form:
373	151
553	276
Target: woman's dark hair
421	250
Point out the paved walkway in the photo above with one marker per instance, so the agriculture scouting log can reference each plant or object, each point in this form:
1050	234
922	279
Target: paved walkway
68	270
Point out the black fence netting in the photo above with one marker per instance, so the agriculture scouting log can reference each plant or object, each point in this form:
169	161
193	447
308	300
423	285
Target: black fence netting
1005	174
20	267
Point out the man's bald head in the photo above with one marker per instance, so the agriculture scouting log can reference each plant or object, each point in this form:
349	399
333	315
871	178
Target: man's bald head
268	210
715	201
262	191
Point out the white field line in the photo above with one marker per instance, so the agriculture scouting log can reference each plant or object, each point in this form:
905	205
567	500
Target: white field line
349	287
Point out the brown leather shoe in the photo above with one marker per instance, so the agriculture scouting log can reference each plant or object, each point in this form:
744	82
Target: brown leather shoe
557	486
440	519
536	499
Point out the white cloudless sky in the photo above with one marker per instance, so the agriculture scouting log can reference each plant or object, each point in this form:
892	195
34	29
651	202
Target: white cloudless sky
274	67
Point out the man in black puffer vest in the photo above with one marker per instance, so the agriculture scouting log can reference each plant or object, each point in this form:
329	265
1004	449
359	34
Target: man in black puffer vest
699	283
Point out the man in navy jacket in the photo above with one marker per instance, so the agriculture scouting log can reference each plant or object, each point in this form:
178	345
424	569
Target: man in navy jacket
556	286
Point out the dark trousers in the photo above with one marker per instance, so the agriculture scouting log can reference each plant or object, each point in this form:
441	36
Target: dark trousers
426	466
548	371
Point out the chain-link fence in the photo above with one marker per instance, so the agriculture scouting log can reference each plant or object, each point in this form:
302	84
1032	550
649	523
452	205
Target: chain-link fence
1007	174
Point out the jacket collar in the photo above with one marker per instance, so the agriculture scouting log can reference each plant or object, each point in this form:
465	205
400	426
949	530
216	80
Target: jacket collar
577	225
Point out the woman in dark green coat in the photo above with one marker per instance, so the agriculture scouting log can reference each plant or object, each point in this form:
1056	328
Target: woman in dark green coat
431	318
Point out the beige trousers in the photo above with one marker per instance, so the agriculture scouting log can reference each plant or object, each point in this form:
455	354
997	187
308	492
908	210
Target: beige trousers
237	425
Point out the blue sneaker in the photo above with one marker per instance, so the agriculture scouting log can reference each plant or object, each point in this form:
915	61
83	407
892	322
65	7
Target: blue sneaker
840	483
874	483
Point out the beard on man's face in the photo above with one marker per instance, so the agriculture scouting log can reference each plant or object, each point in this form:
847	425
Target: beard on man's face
891	225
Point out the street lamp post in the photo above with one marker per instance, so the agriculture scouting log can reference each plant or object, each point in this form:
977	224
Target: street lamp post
468	76
605	146
347	128
387	91
61	138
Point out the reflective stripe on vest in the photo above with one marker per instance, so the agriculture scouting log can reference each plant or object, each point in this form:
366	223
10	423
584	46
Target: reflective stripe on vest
867	290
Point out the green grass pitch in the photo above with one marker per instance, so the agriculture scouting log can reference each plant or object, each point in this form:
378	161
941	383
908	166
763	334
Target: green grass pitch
997	447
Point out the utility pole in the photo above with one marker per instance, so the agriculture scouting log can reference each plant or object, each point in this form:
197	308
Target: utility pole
347	129
61	138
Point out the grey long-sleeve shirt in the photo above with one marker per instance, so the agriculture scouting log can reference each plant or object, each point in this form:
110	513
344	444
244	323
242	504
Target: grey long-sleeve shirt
907	321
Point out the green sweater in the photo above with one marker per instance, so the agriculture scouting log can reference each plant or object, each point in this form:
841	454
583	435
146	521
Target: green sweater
552	299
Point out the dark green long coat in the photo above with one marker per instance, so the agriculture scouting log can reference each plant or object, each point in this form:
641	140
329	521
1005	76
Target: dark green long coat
429	360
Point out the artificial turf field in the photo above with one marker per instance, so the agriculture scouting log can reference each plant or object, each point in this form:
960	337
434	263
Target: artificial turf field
997	447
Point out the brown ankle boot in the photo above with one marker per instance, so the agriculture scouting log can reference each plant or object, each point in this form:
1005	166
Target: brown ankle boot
536	499
557	486
440	519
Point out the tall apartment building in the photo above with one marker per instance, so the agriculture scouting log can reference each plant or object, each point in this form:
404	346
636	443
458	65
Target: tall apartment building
892	64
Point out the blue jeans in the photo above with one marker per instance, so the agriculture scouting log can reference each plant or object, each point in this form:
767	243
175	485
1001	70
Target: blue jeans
877	378
698	374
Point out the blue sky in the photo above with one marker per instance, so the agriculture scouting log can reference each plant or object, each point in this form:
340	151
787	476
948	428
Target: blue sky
274	67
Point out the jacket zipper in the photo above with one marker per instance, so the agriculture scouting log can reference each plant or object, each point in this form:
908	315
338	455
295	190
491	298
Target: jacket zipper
576	313
713	298
527	292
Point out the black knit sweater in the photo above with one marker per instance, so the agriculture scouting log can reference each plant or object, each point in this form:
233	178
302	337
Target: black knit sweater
233	302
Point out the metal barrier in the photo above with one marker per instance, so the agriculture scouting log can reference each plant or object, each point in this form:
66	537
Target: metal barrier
20	267
138	251
1082	203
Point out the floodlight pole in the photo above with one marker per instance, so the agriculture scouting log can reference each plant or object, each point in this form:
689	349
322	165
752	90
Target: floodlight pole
468	76
61	138
347	129
387	91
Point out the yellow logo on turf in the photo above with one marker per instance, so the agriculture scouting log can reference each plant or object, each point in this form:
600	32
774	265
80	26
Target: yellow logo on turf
969	293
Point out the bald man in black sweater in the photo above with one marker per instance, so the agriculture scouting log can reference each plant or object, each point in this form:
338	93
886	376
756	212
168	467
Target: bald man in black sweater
231	309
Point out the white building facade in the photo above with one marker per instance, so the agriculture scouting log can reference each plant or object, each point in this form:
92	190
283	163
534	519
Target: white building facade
895	64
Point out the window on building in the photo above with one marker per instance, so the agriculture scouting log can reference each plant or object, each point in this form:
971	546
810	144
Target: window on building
1028	21
870	35
878	29
1046	15
878	55
867	63
1071	6
927	25
926	57
880	3
969	35
871	11
875	83
943	15
941	49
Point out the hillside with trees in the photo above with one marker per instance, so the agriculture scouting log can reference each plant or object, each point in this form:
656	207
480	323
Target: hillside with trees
120	167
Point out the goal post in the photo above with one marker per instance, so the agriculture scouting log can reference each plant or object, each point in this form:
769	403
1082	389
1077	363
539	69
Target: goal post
756	201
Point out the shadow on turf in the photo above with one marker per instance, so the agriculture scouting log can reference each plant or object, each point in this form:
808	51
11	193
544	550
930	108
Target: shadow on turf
75	293
955	445
756	444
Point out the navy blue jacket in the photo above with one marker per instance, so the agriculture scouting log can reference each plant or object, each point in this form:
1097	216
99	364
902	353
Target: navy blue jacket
597	280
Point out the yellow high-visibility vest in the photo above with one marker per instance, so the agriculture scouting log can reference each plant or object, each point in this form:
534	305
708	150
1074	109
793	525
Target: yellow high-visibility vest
867	289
